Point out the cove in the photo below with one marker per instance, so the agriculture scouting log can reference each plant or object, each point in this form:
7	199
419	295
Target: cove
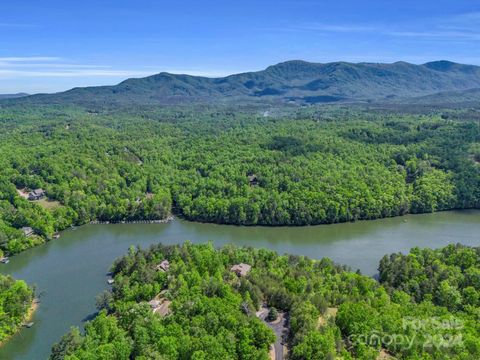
69	272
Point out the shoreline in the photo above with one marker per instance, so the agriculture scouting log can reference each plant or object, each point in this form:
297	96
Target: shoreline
28	316
167	220
31	311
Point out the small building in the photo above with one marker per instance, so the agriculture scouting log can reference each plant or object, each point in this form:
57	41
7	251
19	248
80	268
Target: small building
110	281
36	194
163	266
160	307
253	180
27	231
154	303
241	269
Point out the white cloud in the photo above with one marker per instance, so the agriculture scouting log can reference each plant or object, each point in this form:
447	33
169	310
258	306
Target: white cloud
52	65
9	59
464	27
465	20
72	73
58	67
457	27
49	66
335	28
438	34
324	28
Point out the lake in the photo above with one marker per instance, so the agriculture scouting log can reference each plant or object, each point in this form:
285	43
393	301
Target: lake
69	272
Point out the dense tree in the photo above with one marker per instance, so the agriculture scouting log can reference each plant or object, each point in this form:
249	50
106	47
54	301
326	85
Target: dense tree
15	301
145	163
332	312
449	276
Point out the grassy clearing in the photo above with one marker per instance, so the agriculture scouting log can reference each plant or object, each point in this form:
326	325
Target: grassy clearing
48	204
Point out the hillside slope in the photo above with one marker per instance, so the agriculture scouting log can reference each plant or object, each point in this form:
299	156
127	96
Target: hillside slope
12	96
468	97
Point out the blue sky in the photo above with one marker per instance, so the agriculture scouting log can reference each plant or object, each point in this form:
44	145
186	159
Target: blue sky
48	46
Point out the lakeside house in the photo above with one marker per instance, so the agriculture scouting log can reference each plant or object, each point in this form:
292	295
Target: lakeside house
154	303
27	231
241	269
160	306
36	194
163	266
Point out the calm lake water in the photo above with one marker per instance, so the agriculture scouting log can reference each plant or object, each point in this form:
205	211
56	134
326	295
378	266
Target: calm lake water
69	272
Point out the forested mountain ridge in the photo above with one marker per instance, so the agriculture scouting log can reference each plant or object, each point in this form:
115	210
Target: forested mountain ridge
470	97
291	81
12	96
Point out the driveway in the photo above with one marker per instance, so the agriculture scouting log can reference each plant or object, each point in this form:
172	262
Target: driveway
279	328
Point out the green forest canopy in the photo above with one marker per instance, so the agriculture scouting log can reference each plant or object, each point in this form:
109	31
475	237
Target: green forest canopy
15	301
310	166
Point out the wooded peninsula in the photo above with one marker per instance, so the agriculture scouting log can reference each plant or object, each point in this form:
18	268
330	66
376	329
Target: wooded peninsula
426	306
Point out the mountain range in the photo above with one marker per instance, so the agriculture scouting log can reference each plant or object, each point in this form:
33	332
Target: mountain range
291	82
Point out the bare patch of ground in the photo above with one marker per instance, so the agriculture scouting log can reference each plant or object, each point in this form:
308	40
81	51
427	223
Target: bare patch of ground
163	309
331	312
23	193
271	353
48	204
383	355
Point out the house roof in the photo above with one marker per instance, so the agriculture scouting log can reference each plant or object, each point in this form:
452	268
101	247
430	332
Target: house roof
27	230
160	306
154	303
241	269
164	265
